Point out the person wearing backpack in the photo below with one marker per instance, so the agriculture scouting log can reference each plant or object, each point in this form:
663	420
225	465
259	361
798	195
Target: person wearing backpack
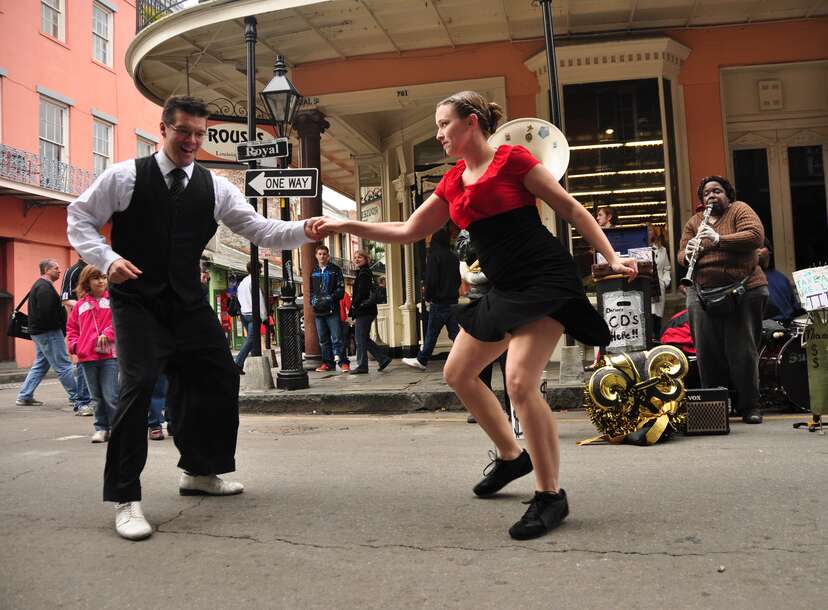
91	337
364	312
244	295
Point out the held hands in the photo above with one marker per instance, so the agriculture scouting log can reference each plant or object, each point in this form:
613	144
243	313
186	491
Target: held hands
625	266
122	270
707	232
328	226
312	229
319	227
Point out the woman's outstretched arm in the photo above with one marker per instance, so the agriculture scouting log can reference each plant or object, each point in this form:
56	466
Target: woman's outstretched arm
540	182
425	220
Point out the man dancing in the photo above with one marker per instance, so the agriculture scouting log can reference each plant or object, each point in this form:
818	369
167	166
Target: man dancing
164	209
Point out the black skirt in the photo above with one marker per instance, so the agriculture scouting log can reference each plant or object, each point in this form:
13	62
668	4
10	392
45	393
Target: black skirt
532	277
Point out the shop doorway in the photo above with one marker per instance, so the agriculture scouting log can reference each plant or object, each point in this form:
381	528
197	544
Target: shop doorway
781	174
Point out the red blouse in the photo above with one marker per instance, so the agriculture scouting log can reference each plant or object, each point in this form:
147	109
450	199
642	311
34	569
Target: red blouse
500	188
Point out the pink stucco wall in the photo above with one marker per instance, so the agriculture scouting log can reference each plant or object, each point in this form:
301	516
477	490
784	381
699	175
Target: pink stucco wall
715	48
429	66
30	60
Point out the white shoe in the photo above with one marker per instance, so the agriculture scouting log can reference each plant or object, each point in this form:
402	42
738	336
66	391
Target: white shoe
86	411
414	363
130	522
100	436
207	485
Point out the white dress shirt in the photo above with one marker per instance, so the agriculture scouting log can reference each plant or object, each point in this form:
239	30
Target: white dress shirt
112	191
245	296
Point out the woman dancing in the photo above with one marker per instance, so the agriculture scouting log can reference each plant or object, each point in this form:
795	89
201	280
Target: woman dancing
536	294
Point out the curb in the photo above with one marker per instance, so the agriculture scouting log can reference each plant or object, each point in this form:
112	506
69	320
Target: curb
567	398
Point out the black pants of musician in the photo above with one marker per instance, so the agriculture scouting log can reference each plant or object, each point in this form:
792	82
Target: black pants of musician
187	342
727	347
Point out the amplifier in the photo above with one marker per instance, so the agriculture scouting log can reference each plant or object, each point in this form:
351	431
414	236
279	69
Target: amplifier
707	411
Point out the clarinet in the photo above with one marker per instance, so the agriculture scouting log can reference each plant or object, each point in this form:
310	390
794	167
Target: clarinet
687	280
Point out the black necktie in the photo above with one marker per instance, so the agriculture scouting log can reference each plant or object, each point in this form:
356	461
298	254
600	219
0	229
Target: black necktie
178	176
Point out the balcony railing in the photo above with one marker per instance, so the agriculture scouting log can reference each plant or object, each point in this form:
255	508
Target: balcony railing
346	265
150	11
28	168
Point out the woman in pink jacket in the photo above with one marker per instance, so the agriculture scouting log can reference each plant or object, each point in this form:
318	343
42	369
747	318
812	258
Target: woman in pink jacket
91	337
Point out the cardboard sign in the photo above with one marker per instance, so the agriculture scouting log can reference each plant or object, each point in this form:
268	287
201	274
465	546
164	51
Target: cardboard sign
623	313
812	285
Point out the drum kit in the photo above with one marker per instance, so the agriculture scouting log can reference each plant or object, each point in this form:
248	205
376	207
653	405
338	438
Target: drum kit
783	372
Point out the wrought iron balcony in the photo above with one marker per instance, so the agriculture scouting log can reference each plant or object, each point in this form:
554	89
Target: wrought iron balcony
150	11
346	266
28	168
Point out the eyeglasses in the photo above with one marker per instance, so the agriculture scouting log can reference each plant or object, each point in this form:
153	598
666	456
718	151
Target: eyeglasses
186	133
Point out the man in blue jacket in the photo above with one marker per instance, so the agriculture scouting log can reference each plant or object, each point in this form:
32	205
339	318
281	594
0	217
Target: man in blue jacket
327	289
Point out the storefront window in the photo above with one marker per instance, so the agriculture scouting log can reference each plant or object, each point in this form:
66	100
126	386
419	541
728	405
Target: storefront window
617	154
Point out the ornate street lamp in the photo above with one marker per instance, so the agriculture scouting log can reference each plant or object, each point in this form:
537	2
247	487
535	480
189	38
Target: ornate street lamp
280	96
282	101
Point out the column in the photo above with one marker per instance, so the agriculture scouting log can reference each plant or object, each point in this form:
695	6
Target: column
310	125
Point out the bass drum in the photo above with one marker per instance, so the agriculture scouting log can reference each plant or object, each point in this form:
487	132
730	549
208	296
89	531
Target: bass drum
783	372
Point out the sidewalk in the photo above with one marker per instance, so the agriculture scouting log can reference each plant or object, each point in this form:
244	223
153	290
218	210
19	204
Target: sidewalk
397	389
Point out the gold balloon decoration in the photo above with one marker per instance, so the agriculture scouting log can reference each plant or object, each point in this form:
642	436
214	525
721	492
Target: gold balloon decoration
637	397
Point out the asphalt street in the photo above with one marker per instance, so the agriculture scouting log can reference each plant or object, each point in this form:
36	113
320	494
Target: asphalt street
376	511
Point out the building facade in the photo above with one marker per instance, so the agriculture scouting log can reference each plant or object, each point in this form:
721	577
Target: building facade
68	110
654	96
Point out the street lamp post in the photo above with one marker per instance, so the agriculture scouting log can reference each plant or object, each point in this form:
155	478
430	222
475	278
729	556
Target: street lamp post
260	377
282	100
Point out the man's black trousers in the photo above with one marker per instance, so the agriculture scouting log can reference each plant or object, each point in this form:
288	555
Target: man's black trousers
186	341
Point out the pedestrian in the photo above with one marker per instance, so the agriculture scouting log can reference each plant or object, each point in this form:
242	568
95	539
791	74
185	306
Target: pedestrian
158	410
345	323
605	217
245	296
382	294
327	289
164	210
364	312
727	338
536	293
47	321
661	275
442	287
91	338
68	298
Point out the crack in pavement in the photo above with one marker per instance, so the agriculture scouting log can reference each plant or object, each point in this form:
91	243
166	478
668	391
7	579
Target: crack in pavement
208	535
33	470
17	476
180	513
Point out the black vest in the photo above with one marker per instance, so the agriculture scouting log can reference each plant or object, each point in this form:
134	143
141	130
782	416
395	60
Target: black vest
164	235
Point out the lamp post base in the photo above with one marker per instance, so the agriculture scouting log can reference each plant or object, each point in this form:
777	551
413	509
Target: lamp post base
291	376
292	380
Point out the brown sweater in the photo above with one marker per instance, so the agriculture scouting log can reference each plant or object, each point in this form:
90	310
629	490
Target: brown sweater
734	257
